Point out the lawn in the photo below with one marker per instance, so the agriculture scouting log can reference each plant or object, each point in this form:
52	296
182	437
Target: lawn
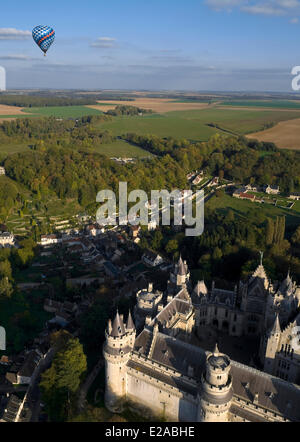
9	149
121	148
193	124
242	208
62	111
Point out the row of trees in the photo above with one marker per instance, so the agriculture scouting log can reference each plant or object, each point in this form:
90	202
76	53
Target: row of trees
237	159
128	110
44	101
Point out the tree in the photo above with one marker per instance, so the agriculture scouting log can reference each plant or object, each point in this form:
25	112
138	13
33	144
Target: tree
172	246
296	236
5	288
5	269
157	239
61	381
269	232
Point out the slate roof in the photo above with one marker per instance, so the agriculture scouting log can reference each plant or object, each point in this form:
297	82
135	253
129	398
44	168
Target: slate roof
276	395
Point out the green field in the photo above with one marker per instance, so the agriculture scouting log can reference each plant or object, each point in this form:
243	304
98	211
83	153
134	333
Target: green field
193	124
62	111
283	104
120	148
8	149
241	208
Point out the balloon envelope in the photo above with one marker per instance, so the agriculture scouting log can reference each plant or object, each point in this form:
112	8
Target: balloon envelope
43	36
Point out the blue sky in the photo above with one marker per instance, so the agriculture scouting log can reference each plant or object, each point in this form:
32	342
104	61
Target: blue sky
158	44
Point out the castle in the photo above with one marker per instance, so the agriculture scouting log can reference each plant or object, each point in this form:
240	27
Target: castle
160	370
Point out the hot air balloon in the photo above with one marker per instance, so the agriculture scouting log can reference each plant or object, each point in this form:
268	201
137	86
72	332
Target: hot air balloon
44	37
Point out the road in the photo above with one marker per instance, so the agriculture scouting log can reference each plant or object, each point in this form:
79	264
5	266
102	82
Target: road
87	384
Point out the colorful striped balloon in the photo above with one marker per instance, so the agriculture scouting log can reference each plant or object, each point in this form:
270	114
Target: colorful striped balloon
44	37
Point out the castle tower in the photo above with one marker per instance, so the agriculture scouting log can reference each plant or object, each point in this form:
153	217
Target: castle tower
116	350
216	392
271	346
179	277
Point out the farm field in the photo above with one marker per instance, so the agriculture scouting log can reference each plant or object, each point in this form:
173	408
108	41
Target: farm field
277	104
193	124
286	134
156	104
242	208
10	110
192	120
62	111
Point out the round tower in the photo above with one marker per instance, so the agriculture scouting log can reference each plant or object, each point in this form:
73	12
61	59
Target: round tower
116	350
216	389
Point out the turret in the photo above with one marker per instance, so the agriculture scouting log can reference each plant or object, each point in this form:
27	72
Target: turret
180	275
215	394
116	350
271	346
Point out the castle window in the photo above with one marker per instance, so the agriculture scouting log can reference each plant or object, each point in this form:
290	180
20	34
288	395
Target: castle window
234	317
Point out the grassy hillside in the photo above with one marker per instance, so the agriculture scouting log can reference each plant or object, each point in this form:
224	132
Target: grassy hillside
242	208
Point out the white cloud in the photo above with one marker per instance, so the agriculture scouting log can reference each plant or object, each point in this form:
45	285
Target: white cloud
104	42
294	20
16	57
264	9
223	4
257	7
13	34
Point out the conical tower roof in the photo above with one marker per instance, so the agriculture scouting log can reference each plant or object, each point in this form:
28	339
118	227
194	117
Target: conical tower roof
116	328
200	288
216	350
287	286
276	326
130	323
181	266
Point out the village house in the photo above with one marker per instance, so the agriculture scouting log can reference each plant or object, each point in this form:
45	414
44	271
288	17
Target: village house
151	258
24	373
94	229
251	188
134	231
246	196
213	182
7	239
271	190
2	171
50	239
197	179
295	196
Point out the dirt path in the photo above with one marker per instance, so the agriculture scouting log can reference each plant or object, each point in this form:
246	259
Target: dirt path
87	384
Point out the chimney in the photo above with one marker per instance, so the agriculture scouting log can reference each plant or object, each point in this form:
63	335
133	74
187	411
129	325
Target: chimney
150	287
